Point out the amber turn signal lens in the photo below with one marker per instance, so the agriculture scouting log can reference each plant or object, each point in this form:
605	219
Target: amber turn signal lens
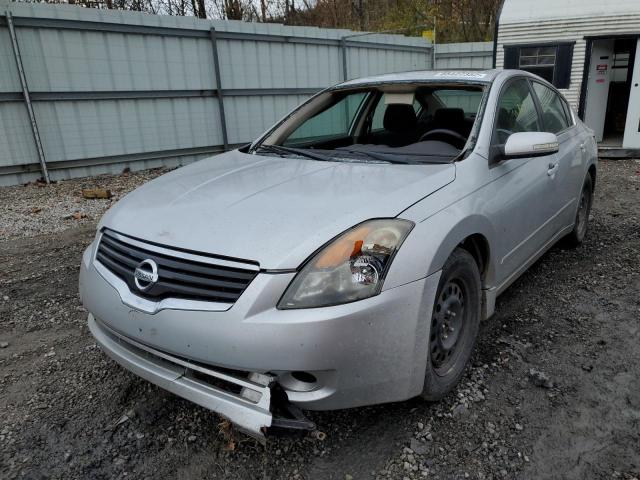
343	249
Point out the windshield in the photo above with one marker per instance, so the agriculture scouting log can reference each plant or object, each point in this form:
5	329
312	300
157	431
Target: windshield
399	123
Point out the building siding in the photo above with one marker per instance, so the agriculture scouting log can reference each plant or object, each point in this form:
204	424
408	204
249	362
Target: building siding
566	30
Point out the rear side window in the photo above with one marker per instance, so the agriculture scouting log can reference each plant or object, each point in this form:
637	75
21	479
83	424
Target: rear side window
567	112
516	111
467	100
554	117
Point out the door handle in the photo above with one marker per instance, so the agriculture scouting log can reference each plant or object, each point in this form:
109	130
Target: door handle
582	147
553	168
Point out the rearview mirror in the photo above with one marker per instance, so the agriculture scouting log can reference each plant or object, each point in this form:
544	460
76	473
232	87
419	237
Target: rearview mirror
530	144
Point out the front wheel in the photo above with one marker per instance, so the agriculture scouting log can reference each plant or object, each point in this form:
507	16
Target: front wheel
454	324
580	227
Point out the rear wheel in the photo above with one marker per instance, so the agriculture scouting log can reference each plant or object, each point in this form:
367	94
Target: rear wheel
581	225
454	324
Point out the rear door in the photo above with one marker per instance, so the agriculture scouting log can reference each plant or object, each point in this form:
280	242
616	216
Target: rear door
565	177
523	205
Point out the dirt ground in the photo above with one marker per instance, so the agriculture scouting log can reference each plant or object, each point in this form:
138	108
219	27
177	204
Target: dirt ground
66	411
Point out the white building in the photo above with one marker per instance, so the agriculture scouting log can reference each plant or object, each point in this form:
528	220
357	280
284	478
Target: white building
587	49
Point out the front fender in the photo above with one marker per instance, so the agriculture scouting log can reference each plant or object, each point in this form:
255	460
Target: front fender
432	241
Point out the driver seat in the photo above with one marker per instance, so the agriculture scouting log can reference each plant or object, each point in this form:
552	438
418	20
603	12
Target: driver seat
450	119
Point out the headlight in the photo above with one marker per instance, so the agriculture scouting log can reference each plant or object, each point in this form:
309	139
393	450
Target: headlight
349	268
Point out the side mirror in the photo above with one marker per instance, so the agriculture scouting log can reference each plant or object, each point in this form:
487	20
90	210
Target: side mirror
530	144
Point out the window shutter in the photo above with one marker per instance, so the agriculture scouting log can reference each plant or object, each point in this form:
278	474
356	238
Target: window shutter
562	73
511	57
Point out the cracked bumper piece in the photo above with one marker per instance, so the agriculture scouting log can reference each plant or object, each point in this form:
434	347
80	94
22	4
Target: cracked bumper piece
247	404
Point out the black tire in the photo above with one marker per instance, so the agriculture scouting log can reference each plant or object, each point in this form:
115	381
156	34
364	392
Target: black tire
452	337
581	225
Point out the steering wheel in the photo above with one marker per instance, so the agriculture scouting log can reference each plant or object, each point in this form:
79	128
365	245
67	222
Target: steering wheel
445	135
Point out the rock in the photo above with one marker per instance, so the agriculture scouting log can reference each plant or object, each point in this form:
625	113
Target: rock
478	397
191	438
519	427
4	344
540	379
459	410
418	447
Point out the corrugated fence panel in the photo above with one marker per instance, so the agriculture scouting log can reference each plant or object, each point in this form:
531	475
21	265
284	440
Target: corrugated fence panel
9	80
248	117
364	61
16	141
70	60
256	64
111	89
474	55
90	128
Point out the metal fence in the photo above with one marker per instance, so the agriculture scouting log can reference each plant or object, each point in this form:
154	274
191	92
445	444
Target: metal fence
85	91
472	55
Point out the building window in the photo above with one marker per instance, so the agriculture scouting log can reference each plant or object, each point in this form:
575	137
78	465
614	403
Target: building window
549	61
539	60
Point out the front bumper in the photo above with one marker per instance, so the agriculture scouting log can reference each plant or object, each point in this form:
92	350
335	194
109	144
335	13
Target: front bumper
366	352
249	411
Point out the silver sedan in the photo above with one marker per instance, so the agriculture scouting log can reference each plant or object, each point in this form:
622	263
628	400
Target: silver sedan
348	255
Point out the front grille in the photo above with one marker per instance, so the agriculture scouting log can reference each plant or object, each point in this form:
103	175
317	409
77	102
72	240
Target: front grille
180	275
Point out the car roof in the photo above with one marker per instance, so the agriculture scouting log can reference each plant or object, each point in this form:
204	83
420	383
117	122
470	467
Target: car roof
472	76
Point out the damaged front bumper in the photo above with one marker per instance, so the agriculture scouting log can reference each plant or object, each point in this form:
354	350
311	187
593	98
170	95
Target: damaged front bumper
247	402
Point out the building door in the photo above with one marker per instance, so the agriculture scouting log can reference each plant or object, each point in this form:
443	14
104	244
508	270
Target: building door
632	126
598	85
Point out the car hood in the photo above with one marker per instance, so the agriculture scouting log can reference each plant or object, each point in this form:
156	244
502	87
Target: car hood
272	210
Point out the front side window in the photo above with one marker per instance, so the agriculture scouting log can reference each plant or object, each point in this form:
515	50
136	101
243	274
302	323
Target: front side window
333	122
553	114
516	112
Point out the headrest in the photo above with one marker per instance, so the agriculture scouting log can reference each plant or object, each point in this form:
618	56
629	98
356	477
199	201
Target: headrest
448	117
399	118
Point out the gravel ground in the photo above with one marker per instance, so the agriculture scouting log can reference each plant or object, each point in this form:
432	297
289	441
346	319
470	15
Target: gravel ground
34	208
553	391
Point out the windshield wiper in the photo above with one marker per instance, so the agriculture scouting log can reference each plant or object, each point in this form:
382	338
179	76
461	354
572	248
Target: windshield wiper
279	149
384	157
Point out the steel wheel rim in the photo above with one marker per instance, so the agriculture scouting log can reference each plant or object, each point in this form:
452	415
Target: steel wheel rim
447	326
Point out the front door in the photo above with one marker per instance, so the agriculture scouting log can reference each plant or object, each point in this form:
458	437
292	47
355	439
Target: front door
524	201
632	126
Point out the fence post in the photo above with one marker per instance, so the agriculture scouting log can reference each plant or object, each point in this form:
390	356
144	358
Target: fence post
27	97
343	50
216	69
